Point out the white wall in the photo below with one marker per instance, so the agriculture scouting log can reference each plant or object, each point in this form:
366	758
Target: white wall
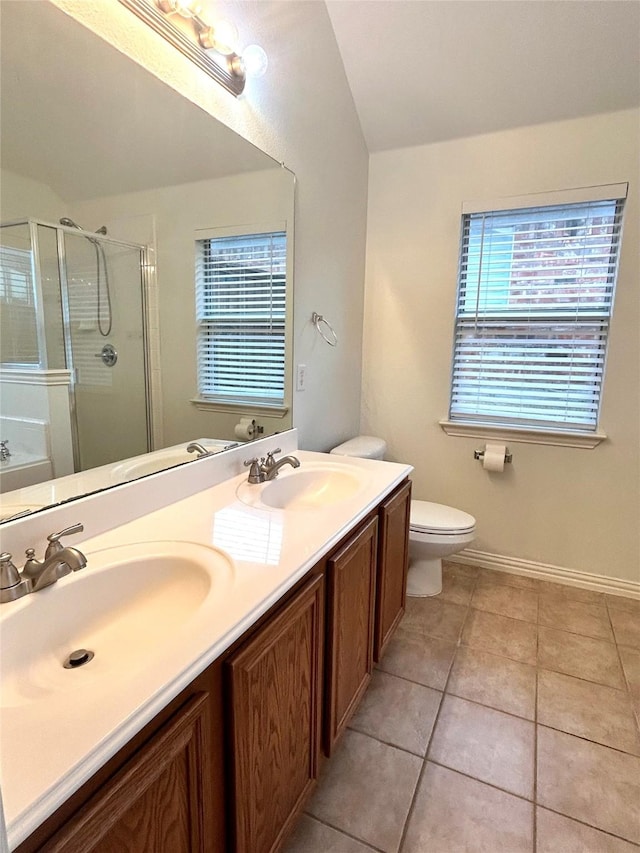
21	198
571	508
301	112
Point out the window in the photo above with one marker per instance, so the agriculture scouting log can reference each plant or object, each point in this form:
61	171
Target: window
535	294
241	311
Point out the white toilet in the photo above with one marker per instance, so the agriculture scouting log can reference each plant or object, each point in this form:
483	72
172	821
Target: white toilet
435	530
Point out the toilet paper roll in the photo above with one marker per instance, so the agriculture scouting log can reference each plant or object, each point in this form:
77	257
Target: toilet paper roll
493	459
246	429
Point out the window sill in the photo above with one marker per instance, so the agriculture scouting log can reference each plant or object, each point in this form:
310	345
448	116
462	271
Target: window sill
265	409
526	435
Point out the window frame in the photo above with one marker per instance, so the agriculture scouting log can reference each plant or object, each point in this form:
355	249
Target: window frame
528	430
275	409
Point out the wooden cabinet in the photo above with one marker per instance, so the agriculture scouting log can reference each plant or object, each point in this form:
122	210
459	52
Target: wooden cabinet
393	564
351	579
158	801
229	764
275	689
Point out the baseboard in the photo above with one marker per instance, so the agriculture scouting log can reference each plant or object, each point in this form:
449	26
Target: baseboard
544	571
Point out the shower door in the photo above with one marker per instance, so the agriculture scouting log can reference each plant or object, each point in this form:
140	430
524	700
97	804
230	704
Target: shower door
103	315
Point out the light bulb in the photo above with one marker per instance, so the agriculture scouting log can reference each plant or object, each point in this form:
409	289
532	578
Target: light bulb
221	37
255	61
184	8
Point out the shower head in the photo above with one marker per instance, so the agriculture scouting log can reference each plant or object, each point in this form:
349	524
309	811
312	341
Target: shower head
69	223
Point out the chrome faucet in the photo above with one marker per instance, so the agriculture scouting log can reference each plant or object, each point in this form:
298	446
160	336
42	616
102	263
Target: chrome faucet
272	466
267	469
199	449
58	561
5	453
202	451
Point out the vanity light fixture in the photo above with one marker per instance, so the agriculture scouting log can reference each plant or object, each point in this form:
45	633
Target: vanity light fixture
212	45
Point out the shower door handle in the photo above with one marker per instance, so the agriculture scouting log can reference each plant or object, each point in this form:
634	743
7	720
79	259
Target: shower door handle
108	355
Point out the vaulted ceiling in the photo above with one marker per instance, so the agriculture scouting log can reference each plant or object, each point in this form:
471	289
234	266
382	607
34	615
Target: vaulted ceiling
422	71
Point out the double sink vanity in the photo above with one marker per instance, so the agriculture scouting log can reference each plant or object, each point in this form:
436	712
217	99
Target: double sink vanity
217	642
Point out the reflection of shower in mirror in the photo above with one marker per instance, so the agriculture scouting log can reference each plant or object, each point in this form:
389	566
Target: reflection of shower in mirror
101	263
63	290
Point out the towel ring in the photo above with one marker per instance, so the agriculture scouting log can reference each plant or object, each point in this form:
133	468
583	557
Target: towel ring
318	320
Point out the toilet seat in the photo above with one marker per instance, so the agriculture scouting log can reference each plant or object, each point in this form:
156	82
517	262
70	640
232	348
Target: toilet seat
427	517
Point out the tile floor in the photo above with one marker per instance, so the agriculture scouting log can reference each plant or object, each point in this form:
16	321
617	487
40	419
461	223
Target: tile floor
502	718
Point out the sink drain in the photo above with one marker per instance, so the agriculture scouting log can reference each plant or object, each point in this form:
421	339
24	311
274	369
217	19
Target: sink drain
78	658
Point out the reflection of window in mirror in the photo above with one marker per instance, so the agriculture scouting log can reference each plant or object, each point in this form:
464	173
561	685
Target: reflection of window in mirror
241	312
19	344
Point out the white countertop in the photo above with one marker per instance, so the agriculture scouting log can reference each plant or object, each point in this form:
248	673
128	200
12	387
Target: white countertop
49	748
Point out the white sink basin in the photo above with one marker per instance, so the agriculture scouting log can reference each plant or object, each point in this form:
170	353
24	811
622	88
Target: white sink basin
159	460
127	604
305	488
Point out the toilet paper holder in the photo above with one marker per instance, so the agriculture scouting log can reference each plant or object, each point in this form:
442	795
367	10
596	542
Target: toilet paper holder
479	454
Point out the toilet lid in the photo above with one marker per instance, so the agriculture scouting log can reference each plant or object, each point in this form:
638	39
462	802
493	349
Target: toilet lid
438	518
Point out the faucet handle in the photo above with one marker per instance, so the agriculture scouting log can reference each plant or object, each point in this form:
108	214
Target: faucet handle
9	575
256	474
54	538
271	454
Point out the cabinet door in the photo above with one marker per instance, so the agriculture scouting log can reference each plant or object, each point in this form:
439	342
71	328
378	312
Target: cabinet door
393	562
275	690
351	579
159	801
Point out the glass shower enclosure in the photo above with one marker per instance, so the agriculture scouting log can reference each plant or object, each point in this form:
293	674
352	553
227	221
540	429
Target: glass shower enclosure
73	346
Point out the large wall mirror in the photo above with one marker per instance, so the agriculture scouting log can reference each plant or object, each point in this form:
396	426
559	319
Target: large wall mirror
116	194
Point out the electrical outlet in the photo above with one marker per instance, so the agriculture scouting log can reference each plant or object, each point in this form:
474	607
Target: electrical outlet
301	377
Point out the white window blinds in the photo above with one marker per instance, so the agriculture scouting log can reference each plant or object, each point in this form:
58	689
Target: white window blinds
241	309
535	293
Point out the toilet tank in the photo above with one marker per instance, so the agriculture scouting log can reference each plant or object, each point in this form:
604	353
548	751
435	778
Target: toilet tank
363	446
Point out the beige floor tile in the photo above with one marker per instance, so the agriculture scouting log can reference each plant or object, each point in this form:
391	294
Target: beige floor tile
496	681
461	569
589	782
558	834
592	711
584	657
621	602
506	600
508	579
457	588
311	836
366	790
626	627
431	617
486	744
453	814
573	593
398	712
422	659
591	620
501	635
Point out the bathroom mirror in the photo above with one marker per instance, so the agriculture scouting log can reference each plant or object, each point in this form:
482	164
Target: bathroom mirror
92	139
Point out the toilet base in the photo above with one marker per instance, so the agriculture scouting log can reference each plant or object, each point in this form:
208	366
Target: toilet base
424	578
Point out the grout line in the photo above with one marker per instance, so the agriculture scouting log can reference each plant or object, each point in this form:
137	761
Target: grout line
435	724
492	707
529	800
589	740
388	742
628	691
344	832
590	825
